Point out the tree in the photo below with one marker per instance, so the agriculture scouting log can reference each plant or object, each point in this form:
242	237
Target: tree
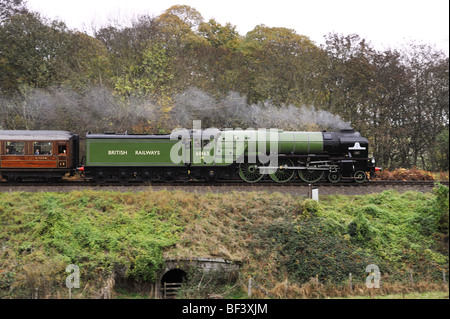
428	107
442	150
8	8
125	44
283	66
220	36
187	15
389	117
348	84
32	52
89	63
179	24
149	75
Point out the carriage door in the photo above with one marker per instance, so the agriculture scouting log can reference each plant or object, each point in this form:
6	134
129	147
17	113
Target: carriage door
62	155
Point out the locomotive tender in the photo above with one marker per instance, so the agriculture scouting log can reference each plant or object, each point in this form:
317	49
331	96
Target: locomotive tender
248	155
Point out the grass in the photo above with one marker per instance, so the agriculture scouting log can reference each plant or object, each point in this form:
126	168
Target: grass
415	295
275	236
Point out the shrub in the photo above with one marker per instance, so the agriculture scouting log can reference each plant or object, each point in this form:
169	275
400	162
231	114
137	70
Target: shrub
309	248
441	205
308	208
99	236
360	230
403	174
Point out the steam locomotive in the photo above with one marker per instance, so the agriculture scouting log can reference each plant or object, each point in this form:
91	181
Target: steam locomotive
207	155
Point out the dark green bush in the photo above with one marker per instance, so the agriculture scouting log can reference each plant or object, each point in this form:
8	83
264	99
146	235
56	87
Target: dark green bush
360	230
441	205
311	248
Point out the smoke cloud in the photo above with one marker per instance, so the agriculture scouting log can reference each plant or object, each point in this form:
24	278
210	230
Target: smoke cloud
98	109
233	111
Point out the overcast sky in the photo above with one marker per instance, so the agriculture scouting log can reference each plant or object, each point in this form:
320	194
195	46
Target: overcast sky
385	23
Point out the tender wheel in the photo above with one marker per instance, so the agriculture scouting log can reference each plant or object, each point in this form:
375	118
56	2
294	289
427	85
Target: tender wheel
283	175
12	178
166	176
124	176
334	177
100	177
147	176
360	177
310	176
249	172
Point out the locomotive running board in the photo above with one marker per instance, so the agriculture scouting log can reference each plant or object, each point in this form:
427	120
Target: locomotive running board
261	168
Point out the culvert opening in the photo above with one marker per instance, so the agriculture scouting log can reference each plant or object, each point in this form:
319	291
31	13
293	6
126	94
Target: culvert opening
171	281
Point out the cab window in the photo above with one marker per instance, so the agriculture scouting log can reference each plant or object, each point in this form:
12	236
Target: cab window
42	148
14	148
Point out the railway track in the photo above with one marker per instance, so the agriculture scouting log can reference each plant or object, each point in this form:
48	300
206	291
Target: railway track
81	183
293	188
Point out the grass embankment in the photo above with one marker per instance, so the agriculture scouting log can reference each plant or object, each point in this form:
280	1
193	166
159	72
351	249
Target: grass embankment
277	237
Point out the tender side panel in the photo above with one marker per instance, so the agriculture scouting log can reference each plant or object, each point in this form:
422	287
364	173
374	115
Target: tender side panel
129	152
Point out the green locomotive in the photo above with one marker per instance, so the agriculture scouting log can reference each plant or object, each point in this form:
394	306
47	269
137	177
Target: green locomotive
248	155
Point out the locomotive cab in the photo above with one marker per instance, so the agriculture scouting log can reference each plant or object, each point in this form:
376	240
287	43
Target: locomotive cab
350	152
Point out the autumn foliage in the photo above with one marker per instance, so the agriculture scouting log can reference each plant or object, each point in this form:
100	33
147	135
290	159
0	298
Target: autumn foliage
136	77
414	174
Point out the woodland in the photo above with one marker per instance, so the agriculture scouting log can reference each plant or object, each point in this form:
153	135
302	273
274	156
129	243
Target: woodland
155	73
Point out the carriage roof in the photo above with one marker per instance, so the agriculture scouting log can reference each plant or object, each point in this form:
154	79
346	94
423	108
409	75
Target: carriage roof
33	135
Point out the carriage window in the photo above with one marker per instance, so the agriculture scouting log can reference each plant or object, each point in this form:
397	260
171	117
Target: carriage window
42	148
15	148
62	149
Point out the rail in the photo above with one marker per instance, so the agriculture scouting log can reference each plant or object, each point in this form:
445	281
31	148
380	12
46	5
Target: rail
224	183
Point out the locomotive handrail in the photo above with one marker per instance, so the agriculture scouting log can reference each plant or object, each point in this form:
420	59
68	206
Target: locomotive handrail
311	168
